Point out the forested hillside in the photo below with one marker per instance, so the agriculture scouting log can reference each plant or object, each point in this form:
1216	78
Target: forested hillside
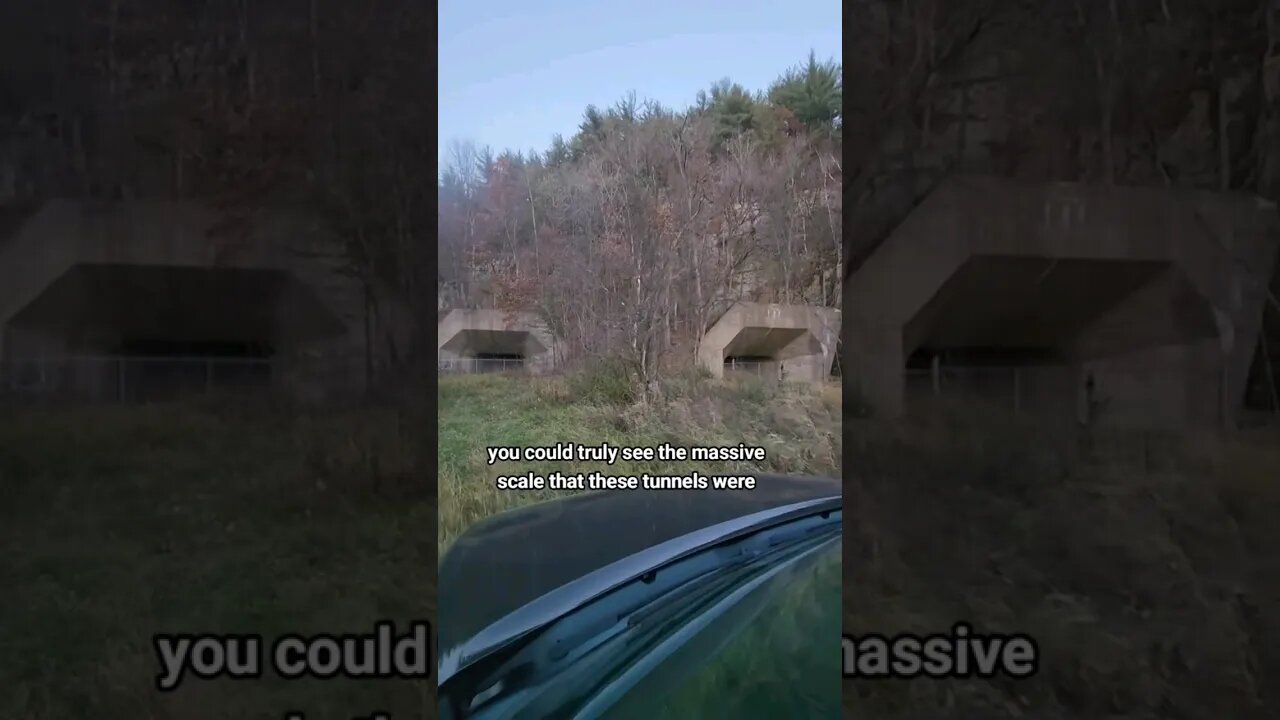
635	232
737	191
1179	93
328	105
317	106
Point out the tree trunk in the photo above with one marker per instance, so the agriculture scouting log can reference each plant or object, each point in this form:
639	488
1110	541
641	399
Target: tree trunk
533	215
113	24
1106	109
313	31
368	333
1222	111
1268	141
1224	138
701	301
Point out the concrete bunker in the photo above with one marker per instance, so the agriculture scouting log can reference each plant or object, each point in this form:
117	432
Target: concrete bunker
777	342
1011	330
135	300
1113	305
488	341
147	332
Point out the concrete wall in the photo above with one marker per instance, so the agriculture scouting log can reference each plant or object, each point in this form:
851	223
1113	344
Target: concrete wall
1205	242
468	333
802	339
63	234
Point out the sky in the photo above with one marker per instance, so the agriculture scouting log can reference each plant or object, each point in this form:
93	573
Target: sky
513	74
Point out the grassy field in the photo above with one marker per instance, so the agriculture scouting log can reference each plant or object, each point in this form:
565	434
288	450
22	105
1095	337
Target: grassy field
1148	569
122	522
799	427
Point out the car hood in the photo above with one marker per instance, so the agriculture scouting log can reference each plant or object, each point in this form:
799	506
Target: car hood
512	559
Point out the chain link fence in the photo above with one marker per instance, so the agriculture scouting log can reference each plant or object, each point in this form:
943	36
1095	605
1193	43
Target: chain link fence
132	379
476	366
1008	386
1118	395
762	369
773	371
1041	390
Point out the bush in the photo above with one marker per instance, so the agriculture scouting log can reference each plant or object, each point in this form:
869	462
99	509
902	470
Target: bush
608	381
690	382
756	391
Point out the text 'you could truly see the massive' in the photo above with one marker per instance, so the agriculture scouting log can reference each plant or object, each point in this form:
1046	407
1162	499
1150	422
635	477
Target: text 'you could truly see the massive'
608	455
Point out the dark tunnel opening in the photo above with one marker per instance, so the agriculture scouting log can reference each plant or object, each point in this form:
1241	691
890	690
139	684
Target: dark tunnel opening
984	357
175	348
1015	378
757	365
154	332
160	368
746	359
163	368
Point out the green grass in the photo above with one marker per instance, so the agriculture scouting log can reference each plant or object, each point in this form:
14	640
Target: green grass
121	522
798	426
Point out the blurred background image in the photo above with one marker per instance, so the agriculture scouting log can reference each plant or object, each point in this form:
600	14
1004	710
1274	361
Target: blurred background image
1061	339
214	228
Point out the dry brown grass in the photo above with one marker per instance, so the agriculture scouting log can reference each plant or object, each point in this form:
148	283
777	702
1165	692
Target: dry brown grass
122	522
1148	572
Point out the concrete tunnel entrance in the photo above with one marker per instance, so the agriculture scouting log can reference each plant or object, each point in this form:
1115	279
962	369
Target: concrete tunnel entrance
481	340
146	332
764	351
491	351
1026	333
795	343
1146	290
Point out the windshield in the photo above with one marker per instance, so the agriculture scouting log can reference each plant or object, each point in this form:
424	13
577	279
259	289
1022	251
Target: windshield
774	668
494	569
649	631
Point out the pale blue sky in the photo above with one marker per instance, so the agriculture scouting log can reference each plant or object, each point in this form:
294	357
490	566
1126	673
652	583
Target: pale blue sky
512	74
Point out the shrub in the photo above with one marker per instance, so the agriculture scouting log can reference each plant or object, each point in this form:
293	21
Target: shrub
607	381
